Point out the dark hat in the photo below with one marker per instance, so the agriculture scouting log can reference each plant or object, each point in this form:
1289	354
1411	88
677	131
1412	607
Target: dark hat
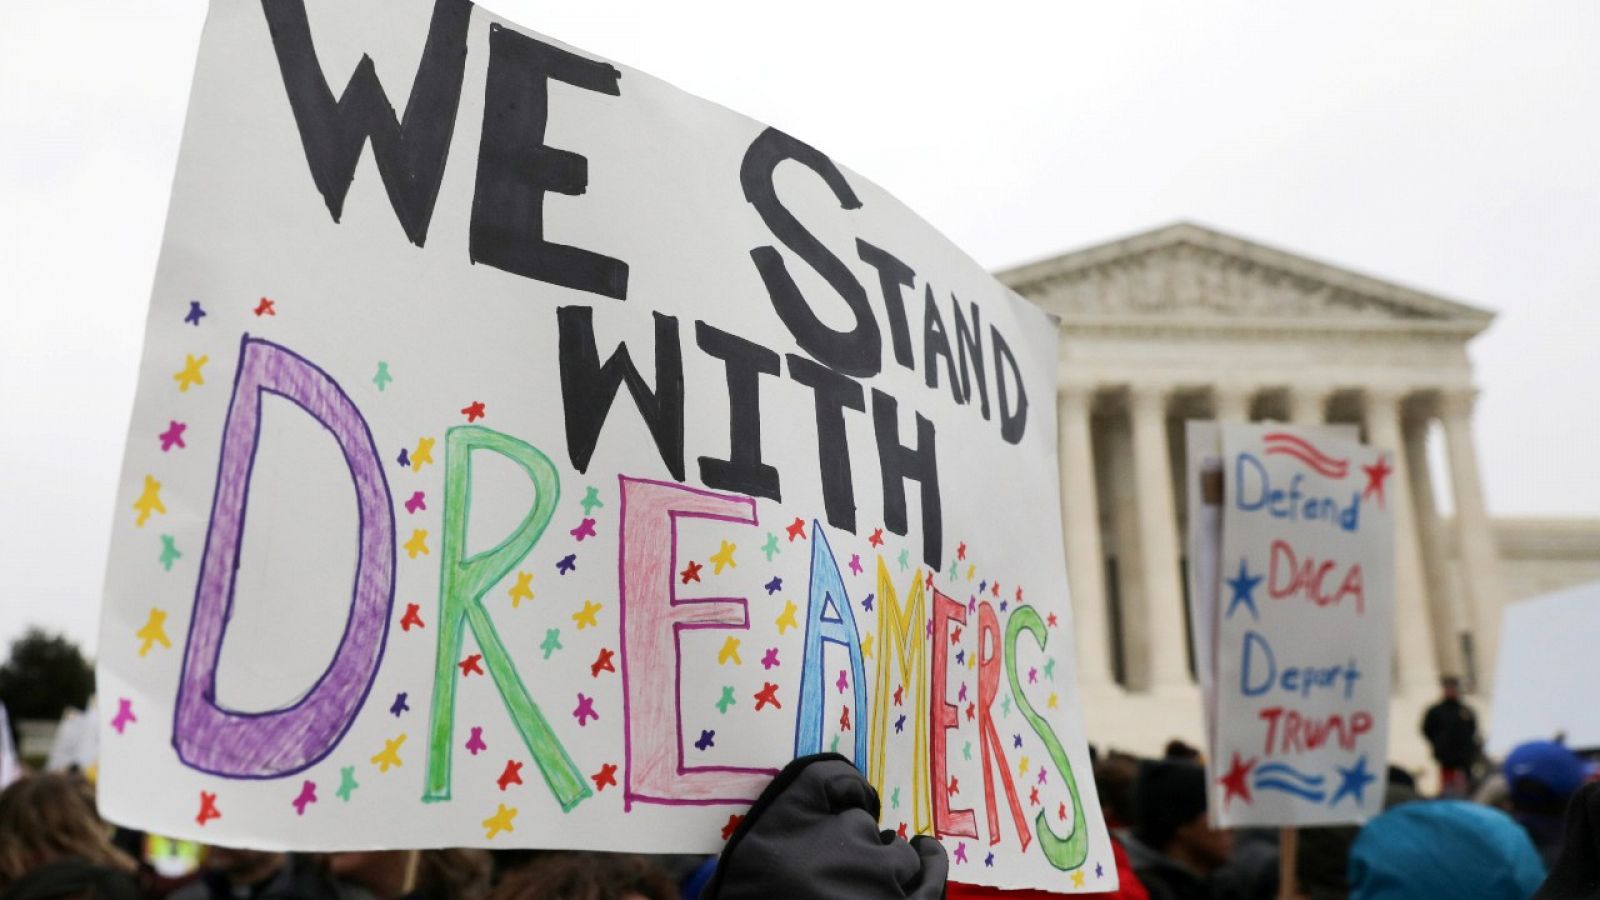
1168	795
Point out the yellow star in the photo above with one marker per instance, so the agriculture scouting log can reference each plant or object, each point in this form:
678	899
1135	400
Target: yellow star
723	557
149	501
730	650
423	453
154	631
521	590
1077	878
500	821
971	571
191	372
866	646
1022	766
1050	703
417	544
787	620
585	617
972	660
389	755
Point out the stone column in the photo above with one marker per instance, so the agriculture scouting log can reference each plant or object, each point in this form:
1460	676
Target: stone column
1307	405
1081	526
1158	540
1442	605
1230	403
1417	675
1480	557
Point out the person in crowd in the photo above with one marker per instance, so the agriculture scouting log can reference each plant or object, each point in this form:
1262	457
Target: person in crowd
50	819
235	874
1443	849
1174	851
1178	750
448	874
1542	777
813	834
1322	865
1451	728
1576	872
588	876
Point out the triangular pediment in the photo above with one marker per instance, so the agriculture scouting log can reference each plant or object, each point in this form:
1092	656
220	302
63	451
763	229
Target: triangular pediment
1191	273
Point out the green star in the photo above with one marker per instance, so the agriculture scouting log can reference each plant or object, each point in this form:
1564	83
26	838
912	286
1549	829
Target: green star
953	570
383	377
966	750
1005	704
834	746
347	782
552	642
1050	669
169	552
904	555
727	699
770	548
590	501
894	799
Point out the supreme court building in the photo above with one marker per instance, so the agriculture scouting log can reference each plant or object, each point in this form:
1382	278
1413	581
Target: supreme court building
1185	322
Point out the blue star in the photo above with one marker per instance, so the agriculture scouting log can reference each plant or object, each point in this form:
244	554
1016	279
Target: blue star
568	563
983	586
899	724
400	705
1243	586
404	459
961	657
707	739
1354	781
1016	741
866	604
988	861
195	313
774	586
1099	871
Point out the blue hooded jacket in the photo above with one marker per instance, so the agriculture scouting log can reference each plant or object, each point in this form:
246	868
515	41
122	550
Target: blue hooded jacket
1443	848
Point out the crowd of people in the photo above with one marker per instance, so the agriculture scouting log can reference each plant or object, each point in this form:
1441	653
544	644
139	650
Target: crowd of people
1529	827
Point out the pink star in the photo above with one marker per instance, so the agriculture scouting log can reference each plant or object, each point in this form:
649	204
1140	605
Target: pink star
475	744
843	682
416	502
585	710
855	563
585	529
308	796
173	436
124	714
771	659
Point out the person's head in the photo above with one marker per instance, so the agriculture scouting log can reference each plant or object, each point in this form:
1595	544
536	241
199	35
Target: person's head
586	876
1443	848
1170	815
1114	777
73	878
1451	685
51	817
244	867
1543	776
1179	750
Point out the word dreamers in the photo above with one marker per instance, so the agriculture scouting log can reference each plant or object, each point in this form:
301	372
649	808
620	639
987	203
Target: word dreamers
213	739
1253	490
1259	672
516	170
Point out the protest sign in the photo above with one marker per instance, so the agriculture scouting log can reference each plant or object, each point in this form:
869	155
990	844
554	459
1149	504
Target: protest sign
10	763
1301	626
552	473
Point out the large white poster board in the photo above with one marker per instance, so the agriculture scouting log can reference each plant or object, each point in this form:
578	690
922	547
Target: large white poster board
1304	613
528	453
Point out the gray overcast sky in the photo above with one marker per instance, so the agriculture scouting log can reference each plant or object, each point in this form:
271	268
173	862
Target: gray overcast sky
1454	147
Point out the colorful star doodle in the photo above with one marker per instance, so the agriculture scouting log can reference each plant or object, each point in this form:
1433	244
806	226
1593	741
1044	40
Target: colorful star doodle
730	650
423	454
708	739
866	602
866	645
585	710
1236	782
154	631
905	556
169	552
347	783
786	619
774	586
412	617
691	572
585	529
418	543
383	377
522	590
770	659
767	694
404	459
960	855
591	501
389	756
602	663
1243	586
173	436
770	548
472	665
796	529
190	375
585	616
475	744
399	705
1050	668
1353	782
723	558
1077	878
149	501
842	682
418	501
568	563
855	563
473	411
125	715
266	308
500	821
511	774
894	799
606	777
731	826
308	796
727	699
1377	474
876	540
208	809
196	313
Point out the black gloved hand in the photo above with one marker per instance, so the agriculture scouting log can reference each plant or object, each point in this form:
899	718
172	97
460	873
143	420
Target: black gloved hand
813	833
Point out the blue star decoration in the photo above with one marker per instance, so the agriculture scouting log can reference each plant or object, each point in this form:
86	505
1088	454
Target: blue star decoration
400	705
568	563
1243	586
988	861
774	586
1016	741
195	313
1354	781
899	724
404	459
708	739
866	602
